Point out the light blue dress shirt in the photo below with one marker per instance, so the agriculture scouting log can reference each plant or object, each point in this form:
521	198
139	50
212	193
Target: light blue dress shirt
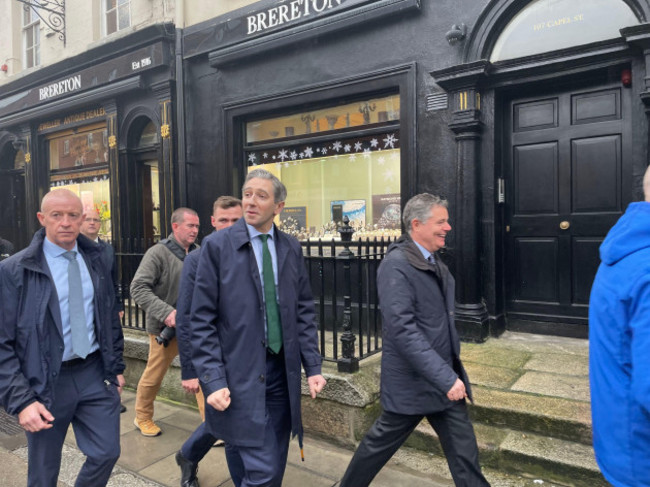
425	253
59	270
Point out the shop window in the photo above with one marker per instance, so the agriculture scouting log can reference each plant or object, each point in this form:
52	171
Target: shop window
79	162
117	15
549	25
335	162
31	38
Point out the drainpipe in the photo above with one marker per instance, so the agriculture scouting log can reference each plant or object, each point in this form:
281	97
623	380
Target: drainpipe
180	103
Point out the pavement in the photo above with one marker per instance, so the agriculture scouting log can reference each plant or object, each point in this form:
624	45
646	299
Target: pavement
149	462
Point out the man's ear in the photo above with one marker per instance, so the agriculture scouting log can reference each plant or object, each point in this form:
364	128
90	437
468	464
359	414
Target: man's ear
41	218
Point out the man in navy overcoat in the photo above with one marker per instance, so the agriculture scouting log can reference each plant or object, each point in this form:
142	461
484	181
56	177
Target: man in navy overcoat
250	379
61	346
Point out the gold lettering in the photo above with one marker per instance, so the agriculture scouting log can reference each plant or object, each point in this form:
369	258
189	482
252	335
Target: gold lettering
49	124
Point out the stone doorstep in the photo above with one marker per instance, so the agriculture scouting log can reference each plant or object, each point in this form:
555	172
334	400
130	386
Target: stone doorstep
551	459
549	416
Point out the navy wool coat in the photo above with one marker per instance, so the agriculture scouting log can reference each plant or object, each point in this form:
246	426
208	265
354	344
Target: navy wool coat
31	333
421	350
227	331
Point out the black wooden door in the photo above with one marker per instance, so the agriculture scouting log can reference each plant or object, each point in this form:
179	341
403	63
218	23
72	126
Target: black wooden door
568	179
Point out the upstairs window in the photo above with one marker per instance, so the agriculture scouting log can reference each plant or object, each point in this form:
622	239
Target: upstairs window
117	15
31	38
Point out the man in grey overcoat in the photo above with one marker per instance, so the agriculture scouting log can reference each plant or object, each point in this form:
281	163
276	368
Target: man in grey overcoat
421	372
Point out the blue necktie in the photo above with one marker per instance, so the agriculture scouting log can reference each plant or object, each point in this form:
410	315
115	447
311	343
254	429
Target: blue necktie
78	326
273	326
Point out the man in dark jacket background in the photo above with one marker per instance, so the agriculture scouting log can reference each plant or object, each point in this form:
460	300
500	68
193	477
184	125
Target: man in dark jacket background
90	228
61	346
421	372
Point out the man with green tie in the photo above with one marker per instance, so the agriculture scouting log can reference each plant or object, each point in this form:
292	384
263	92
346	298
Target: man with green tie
253	316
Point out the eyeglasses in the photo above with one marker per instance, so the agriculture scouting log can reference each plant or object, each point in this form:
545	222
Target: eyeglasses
94	220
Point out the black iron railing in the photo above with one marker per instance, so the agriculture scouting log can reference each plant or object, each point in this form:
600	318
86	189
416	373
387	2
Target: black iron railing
343	280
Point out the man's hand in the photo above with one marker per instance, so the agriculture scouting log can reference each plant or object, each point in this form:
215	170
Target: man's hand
316	384
457	391
120	314
171	319
220	400
191	385
120	383
35	417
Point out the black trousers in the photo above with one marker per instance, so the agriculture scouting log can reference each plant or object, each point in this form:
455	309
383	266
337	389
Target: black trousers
391	430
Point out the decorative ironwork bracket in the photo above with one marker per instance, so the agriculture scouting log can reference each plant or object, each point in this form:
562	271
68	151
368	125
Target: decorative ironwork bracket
55	14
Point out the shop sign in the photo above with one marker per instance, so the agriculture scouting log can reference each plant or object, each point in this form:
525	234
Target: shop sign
287	13
100	74
73	118
268	17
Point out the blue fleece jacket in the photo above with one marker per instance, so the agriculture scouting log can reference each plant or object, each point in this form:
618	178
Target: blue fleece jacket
619	351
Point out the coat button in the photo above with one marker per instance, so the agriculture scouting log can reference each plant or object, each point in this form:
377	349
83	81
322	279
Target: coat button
261	377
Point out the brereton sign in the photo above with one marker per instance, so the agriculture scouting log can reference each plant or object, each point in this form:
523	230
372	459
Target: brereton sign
59	88
287	13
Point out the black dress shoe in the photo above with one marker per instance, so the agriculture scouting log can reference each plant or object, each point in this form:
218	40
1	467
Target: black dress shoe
122	408
188	471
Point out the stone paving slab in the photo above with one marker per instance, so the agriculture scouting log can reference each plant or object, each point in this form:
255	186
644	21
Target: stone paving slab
557	363
492	352
486	375
553	385
527	342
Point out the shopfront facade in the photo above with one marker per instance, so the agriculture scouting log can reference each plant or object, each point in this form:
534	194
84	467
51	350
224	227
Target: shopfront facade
528	116
99	124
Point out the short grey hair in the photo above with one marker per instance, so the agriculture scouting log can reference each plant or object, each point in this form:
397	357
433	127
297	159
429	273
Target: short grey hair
419	208
279	189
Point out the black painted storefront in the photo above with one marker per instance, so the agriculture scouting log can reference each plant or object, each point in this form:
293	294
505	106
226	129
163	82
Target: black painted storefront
120	88
538	155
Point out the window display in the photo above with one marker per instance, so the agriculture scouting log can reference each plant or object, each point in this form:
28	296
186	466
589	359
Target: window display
337	173
78	162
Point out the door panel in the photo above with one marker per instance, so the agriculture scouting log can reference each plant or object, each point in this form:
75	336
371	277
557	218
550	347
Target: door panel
596	169
568	179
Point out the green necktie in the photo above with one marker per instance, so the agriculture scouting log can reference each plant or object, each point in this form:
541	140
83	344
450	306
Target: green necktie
273	327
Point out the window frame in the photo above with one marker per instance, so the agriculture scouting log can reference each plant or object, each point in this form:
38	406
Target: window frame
106	11
31	29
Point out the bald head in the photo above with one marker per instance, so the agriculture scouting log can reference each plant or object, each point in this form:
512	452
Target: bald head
646	185
61	215
60	195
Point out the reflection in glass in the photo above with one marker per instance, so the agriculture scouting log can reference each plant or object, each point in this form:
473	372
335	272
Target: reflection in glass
325	185
77	150
94	190
549	25
357	114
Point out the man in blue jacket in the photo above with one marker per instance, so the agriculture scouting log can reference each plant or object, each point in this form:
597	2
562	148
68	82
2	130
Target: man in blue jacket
225	212
619	349
252	327
421	372
61	346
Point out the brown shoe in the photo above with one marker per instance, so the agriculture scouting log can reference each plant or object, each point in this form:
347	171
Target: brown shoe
147	427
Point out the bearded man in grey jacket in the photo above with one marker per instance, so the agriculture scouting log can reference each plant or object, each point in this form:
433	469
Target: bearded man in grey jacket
421	372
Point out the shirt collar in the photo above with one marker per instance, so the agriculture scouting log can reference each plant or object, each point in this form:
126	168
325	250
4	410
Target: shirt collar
253	232
52	250
425	253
